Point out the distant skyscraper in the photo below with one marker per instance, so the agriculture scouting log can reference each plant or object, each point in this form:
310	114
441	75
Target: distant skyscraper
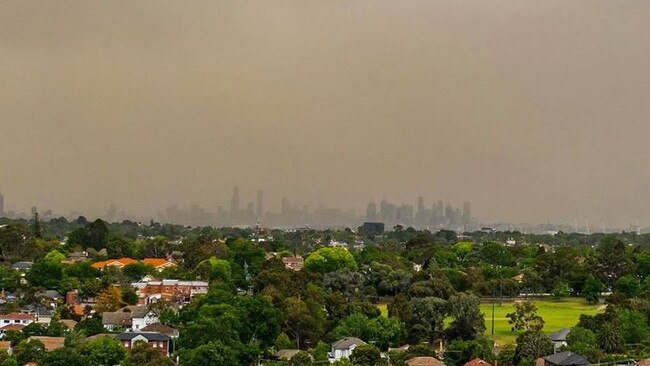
235	202
2	204
371	212
467	213
420	204
259	209
284	206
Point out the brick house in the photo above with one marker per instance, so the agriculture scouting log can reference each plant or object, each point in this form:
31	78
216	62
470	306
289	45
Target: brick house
156	340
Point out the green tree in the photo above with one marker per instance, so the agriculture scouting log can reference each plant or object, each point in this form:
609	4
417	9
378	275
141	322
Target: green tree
63	357
45	274
283	342
142	354
29	350
610	338
365	355
104	351
36	226
560	291
54	256
135	271
628	285
468	320
583	341
591	290
325	260
460	351
532	345
525	317
213	353
427	319
301	358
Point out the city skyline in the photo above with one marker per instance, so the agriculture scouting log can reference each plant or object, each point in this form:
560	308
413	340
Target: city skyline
533	111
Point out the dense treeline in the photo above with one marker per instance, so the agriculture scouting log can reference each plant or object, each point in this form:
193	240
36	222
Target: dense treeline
431	284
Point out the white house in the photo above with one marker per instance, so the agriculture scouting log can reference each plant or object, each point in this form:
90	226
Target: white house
129	317
343	348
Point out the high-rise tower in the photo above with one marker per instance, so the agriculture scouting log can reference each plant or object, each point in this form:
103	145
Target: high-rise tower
235	201
259	208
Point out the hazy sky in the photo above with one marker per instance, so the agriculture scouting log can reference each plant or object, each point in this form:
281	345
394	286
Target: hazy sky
532	110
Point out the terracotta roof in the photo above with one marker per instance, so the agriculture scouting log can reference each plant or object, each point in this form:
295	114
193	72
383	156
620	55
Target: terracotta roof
477	362
13	327
424	361
644	362
69	323
50	343
157	262
114	262
5	345
18	316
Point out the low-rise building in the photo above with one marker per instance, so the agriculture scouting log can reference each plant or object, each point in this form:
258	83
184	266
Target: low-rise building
295	263
177	291
157	341
133	317
343	348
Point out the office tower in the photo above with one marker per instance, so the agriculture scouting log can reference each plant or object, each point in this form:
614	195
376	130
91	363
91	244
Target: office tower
234	202
420	205
2	205
467	213
371	212
259	209
284	206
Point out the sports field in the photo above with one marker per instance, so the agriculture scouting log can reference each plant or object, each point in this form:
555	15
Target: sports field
557	315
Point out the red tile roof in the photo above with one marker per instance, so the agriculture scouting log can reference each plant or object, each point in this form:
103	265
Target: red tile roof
18	316
477	362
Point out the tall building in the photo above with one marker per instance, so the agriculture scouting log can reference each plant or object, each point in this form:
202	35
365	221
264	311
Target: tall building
259	208
371	212
2	205
235	201
284	206
420	204
467	213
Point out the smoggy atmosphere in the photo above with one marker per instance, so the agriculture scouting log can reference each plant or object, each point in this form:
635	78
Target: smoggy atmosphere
534	111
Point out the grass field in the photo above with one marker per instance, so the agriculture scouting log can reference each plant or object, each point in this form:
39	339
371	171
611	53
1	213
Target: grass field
557	315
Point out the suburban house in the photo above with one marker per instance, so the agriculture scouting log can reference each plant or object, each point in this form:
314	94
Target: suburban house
16	319
285	354
134	317
50	343
161	328
157	341
424	361
295	263
172	290
559	338
76	257
22	266
563	359
477	362
117	263
343	348
158	263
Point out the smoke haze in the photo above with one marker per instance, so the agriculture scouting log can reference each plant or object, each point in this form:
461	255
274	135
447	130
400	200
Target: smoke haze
531	110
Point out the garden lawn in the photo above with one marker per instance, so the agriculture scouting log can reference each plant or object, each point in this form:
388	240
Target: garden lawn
556	314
